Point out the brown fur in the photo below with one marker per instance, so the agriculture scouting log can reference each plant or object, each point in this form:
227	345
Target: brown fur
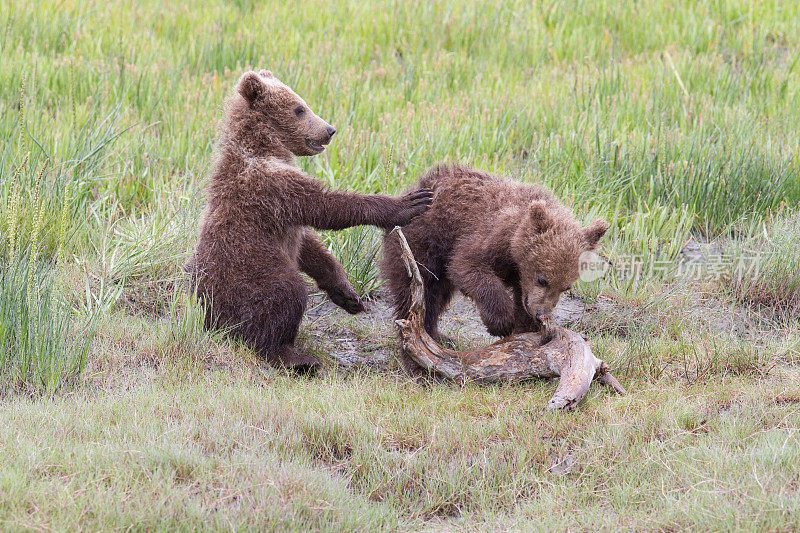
254	238
512	248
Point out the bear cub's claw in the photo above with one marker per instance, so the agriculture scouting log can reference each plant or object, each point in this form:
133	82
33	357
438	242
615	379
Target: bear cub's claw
412	204
347	299
302	363
446	341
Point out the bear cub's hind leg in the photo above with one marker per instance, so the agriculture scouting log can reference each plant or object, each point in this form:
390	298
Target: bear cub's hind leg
273	328
438	293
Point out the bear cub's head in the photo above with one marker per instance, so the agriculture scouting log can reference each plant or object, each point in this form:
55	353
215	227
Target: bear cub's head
279	110
546	246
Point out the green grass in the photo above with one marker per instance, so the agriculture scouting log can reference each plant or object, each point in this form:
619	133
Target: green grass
768	273
42	346
672	120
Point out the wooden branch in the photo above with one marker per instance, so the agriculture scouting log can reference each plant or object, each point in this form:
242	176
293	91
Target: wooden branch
555	352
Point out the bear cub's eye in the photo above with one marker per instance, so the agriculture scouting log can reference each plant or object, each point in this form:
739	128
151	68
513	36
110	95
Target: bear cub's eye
541	281
299	111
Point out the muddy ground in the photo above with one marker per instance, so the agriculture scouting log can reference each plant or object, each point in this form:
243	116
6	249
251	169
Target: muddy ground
369	338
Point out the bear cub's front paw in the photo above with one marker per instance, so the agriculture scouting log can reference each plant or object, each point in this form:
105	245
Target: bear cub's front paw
499	326
411	205
347	299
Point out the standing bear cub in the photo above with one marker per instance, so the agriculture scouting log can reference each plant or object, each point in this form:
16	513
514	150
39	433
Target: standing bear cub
512	248
255	237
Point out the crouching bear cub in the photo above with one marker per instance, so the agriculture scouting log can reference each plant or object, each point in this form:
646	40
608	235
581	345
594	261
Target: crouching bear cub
512	248
255	237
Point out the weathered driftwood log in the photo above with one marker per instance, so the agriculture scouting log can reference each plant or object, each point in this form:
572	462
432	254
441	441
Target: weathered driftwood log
552	353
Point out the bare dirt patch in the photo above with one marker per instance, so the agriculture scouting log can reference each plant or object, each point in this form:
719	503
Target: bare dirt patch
369	339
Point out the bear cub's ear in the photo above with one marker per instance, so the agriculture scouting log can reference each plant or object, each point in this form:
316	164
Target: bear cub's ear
539	216
251	86
593	232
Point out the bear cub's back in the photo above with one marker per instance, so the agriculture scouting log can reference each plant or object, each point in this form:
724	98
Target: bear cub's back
467	199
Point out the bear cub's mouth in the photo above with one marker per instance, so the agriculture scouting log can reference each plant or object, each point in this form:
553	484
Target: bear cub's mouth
316	147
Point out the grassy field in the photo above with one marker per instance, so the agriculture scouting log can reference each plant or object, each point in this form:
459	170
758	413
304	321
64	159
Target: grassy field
675	121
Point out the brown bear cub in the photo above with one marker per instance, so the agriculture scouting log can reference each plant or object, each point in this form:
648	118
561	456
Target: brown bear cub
512	248
255	237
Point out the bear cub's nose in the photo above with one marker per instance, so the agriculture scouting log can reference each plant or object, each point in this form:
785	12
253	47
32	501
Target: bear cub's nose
331	130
